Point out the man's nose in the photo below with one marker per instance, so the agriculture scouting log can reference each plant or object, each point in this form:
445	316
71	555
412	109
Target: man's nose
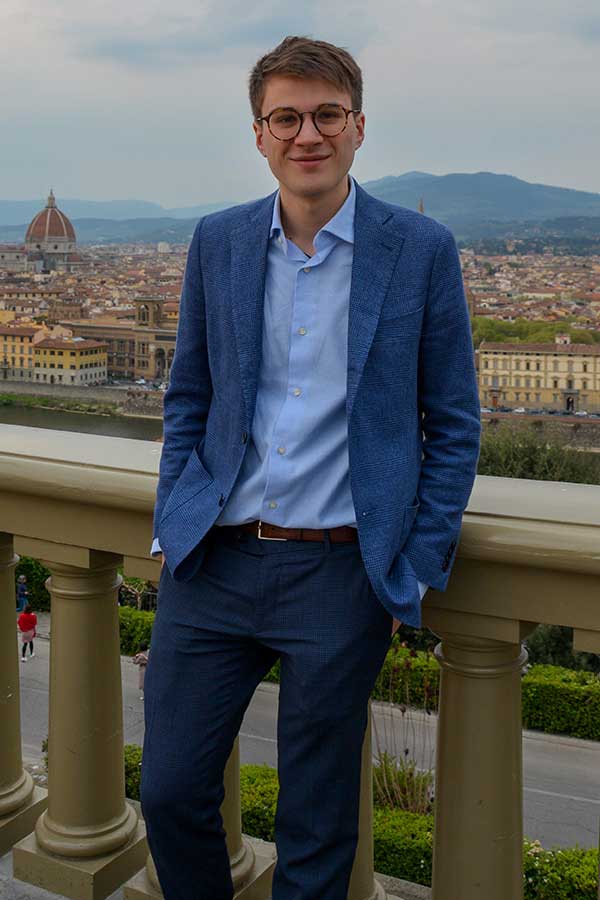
308	133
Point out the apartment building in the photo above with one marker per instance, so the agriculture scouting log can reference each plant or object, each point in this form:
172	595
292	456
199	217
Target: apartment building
561	376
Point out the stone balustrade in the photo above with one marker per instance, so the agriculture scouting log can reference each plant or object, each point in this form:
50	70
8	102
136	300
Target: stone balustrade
82	504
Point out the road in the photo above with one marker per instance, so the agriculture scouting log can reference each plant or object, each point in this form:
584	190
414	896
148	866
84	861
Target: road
561	775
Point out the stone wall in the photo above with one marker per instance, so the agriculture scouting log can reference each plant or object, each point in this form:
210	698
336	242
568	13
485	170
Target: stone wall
132	399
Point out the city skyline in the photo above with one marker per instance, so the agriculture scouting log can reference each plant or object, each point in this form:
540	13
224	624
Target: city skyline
114	103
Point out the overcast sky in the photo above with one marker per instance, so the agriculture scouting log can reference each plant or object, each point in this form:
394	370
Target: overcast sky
147	99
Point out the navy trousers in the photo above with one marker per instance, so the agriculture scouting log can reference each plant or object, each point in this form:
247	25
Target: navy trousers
214	639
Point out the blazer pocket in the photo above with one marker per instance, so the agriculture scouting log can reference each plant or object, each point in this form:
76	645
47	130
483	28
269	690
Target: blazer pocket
194	478
393	327
410	513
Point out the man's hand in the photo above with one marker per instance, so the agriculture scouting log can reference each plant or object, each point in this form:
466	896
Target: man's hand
396	623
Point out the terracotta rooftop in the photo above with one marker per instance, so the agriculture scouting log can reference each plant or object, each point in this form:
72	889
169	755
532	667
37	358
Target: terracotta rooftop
62	344
588	349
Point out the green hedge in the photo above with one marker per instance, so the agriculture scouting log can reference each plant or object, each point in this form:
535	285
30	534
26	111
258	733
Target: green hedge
403	841
562	701
135	626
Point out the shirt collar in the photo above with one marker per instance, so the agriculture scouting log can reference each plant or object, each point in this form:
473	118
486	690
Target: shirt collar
340	226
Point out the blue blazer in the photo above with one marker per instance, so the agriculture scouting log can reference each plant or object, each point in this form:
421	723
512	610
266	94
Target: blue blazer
412	400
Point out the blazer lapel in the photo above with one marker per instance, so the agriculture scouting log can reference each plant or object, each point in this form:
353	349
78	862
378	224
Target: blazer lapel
376	252
249	247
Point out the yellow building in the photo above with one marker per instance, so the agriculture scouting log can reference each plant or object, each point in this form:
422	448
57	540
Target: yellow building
561	376
70	361
16	352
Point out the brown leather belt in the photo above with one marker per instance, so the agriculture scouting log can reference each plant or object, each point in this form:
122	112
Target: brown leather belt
341	535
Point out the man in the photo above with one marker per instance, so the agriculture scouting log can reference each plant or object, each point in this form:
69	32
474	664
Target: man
22	593
321	438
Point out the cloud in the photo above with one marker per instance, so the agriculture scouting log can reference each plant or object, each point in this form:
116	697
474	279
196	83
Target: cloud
106	98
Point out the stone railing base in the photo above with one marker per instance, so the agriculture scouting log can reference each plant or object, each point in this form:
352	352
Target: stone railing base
79	879
257	886
22	821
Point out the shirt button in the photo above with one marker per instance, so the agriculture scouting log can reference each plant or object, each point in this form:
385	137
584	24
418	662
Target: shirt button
272	505
302	331
306	269
297	392
281	450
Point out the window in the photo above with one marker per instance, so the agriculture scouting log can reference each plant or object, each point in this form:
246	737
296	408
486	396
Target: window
555	382
538	366
517	365
584	385
585	367
569	384
527	366
555	365
528	382
538	397
72	366
485	364
517	381
538	382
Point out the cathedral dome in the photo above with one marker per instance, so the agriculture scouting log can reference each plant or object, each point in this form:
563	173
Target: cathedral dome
50	225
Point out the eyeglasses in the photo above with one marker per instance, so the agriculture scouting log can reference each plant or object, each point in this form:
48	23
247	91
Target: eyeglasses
285	122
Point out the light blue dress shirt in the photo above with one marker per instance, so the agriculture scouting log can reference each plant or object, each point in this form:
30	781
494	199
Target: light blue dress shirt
295	471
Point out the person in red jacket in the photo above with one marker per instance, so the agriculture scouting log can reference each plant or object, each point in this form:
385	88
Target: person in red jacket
26	624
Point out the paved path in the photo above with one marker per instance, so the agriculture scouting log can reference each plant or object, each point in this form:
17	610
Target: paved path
561	775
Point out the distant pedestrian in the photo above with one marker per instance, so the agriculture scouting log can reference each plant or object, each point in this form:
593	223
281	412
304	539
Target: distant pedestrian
22	593
141	660
26	624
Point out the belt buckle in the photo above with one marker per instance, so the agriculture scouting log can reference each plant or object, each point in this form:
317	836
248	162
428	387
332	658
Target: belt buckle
263	537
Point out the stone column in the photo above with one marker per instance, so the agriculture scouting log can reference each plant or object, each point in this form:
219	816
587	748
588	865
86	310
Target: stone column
478	837
363	885
20	802
252	861
89	841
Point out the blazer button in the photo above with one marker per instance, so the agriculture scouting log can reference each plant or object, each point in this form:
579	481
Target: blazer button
244	437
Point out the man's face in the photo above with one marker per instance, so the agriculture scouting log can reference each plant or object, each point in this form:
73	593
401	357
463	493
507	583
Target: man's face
311	164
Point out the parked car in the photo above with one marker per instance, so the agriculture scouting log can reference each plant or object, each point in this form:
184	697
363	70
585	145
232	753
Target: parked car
581	412
519	409
486	409
140	381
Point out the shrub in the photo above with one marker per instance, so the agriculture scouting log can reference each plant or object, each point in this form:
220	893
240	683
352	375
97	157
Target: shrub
135	626
398	784
521	453
562	701
408	677
559	874
552	645
133	770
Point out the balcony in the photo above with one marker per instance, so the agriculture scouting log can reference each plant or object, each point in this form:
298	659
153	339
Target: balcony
529	553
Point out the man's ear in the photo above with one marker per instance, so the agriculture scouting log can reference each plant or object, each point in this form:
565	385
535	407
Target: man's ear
258	133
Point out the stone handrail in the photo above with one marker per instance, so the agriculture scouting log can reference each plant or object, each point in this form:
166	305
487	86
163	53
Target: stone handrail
529	553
